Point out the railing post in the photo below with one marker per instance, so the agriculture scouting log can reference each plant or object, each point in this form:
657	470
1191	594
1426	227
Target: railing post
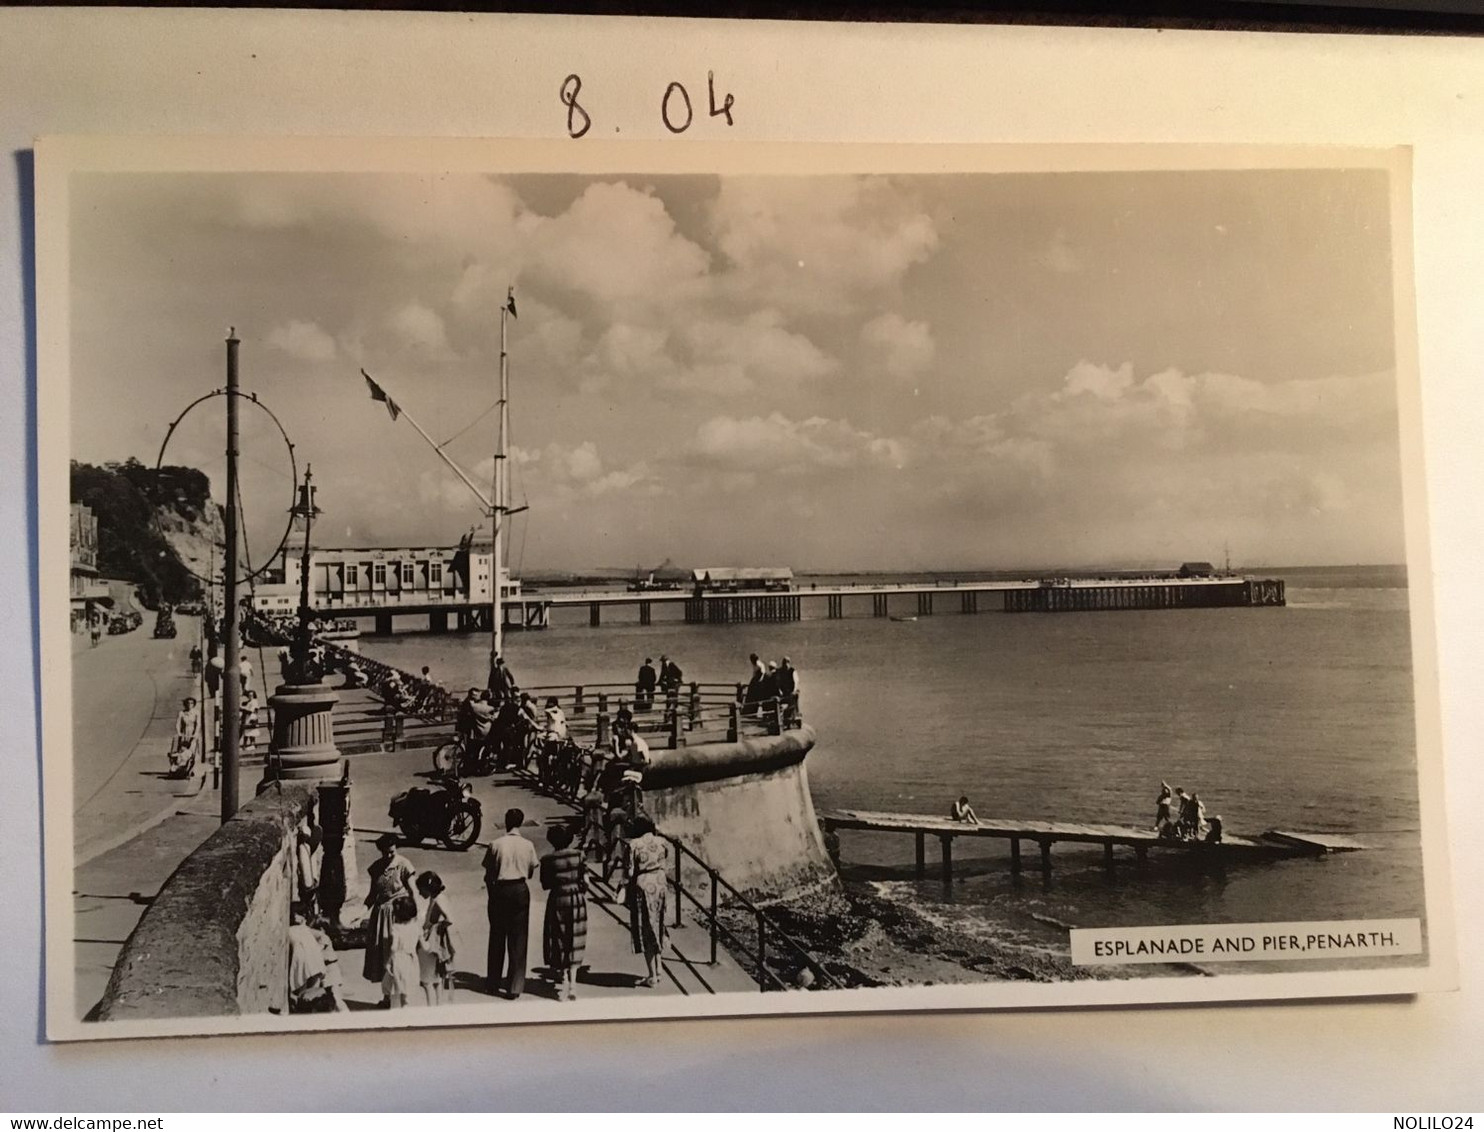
679	886
695	705
602	729
602	701
712	873
762	952
741	693
775	719
389	732
674	731
734	722
578	707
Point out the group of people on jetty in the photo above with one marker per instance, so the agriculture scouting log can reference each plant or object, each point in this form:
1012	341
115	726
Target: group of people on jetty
1179	816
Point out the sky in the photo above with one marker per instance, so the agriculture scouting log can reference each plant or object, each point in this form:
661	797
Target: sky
826	372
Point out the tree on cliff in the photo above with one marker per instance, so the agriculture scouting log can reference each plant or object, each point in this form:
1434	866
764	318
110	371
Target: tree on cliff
125	498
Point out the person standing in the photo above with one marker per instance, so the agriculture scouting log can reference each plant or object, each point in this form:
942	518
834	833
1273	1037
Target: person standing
509	864
564	931
391	876
754	694
308	860
644	686
648	855
244	670
400	976
435	950
1162	808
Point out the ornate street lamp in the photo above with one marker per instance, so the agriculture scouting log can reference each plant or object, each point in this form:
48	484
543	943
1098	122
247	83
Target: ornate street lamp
303	745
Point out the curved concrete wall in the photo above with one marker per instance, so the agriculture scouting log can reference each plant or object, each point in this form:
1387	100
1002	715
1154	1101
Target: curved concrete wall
215	939
745	809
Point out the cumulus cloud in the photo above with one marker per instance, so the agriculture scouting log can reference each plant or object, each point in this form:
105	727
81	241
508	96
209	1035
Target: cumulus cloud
303	340
819	240
776	443
421	327
905	348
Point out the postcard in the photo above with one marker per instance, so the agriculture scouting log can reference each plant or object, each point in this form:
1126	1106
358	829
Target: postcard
530	581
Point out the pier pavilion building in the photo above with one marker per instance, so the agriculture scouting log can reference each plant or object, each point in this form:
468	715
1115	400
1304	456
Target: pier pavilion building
382	582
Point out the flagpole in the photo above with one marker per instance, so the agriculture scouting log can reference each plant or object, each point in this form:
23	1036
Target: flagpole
484	500
501	488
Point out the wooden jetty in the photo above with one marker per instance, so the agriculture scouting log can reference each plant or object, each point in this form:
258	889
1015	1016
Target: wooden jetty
1271	845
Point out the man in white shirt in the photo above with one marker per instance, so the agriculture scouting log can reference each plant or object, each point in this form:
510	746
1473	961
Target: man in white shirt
509	864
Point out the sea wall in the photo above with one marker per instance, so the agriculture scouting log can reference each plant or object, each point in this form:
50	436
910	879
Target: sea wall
745	809
215	939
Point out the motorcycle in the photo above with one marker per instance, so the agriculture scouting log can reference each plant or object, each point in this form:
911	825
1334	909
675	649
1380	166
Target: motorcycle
448	812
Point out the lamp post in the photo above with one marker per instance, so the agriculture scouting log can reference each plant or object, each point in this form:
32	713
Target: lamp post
303	745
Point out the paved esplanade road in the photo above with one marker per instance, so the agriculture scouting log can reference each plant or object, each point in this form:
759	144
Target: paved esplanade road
125	695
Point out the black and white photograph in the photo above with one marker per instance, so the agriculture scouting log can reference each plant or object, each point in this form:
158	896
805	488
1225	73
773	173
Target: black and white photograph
516	583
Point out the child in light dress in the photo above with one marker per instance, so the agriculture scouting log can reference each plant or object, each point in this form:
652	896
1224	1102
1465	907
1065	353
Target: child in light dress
400	979
435	947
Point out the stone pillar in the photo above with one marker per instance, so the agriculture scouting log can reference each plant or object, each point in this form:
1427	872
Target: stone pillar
303	745
303	750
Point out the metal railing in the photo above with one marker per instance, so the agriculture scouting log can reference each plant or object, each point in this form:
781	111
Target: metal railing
766	931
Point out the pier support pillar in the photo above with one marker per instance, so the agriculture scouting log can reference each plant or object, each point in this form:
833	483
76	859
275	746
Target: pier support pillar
1108	855
438	621
836	603
1015	856
1046	860
594	614
878	605
383	624
947	840
644	612
921	854
1141	855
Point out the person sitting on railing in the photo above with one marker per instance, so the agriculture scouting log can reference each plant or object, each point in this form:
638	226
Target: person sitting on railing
644	686
786	689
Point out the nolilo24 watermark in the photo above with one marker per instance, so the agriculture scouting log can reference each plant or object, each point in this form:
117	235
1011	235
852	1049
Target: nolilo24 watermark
1431	1123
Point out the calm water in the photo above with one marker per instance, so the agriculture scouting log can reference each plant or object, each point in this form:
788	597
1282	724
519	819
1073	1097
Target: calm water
1296	718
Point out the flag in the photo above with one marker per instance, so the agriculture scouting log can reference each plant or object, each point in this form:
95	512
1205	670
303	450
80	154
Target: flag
510	303
379	394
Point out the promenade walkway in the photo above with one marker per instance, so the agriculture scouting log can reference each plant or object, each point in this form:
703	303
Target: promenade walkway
613	970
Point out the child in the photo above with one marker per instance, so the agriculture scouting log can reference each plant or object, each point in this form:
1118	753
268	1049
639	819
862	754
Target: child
401	961
435	944
964	812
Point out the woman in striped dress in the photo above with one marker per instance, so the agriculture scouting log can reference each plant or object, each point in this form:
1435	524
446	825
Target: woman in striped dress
564	934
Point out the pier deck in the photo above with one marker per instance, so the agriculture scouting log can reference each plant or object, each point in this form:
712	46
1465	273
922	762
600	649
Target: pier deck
1267	846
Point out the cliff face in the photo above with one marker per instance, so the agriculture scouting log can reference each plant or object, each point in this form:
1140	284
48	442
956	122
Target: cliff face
155	526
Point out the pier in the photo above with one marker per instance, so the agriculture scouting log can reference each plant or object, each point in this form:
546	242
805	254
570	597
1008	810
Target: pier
532	609
1272	845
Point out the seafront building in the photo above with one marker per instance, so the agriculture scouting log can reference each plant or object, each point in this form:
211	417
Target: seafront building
88	593
382	581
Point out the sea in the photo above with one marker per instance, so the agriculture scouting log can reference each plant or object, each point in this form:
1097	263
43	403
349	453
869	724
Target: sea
1295	718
